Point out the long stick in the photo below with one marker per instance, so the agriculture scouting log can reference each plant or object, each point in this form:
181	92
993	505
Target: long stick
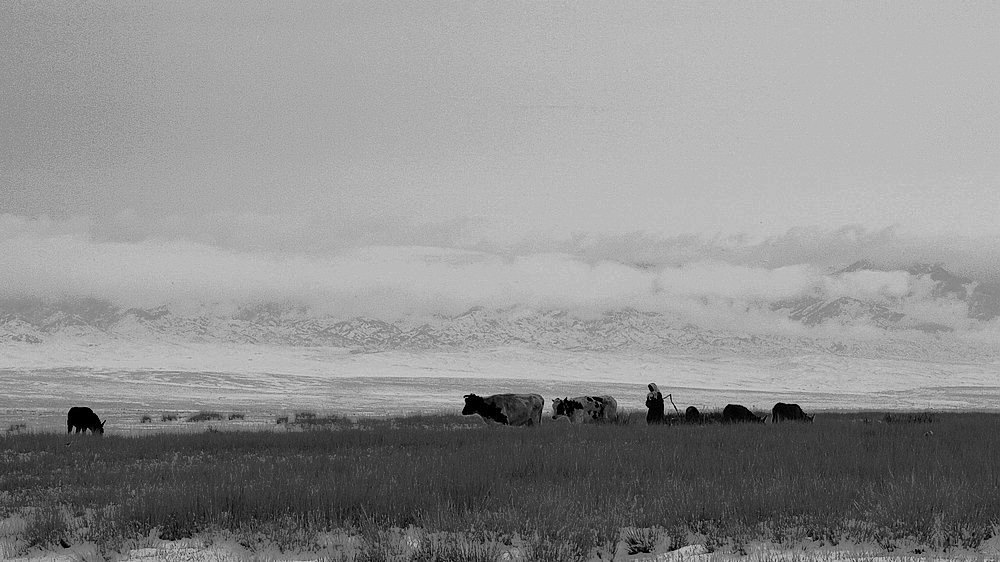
671	397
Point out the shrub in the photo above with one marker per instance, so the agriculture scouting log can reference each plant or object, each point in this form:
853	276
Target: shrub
312	421
146	419
640	540
236	416
17	428
301	417
919	417
168	417
454	548
46	526
204	416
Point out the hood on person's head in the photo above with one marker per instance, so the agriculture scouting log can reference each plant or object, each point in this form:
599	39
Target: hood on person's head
653	387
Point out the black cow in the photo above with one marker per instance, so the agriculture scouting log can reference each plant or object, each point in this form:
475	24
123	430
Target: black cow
692	415
508	409
83	419
789	412
736	413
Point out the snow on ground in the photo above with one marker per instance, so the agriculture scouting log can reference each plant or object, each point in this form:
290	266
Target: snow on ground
194	550
125	379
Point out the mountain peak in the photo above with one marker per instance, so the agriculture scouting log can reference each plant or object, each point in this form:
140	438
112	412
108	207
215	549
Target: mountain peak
860	265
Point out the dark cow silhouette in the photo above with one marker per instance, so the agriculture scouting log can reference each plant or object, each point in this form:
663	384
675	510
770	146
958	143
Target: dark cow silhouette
692	415
789	412
508	409
83	419
584	409
736	413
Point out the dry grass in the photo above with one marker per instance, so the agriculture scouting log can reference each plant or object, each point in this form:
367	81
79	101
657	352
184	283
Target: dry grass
564	491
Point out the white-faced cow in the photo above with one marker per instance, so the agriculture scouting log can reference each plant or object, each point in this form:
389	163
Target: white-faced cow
736	413
508	409
82	419
789	412
585	409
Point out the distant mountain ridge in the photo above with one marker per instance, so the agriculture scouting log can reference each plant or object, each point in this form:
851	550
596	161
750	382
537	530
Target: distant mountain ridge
982	300
478	328
35	320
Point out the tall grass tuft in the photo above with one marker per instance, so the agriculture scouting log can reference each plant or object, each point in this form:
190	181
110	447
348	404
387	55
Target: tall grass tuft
46	526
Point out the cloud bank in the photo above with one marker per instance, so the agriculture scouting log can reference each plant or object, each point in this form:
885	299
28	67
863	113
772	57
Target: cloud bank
412	269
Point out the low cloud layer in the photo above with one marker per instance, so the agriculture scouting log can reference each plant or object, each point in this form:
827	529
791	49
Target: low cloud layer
442	270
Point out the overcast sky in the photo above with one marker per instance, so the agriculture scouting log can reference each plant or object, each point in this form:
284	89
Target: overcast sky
646	129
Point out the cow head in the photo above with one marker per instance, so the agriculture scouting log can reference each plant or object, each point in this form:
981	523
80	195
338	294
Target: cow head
99	429
557	406
488	409
473	404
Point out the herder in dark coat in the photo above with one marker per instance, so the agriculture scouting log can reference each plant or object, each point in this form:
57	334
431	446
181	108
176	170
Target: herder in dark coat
654	401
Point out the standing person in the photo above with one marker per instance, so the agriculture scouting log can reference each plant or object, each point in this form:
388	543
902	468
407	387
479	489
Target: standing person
654	401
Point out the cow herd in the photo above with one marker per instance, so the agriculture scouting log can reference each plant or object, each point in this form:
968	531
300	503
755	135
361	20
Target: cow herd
526	409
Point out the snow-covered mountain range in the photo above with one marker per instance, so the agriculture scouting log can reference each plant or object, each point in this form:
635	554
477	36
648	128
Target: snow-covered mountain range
890	330
982	301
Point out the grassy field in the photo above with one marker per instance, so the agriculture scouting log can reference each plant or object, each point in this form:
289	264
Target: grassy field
559	492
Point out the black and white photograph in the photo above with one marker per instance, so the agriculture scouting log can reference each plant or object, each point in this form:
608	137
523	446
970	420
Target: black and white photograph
500	281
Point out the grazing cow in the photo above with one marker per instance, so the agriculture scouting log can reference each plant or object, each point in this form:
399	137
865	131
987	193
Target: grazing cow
789	412
584	409
83	419
692	415
508	409
735	413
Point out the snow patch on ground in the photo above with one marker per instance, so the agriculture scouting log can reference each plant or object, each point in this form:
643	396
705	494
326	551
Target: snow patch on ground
124	380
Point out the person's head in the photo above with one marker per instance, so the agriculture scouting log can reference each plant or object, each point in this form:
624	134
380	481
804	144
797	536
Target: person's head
653	387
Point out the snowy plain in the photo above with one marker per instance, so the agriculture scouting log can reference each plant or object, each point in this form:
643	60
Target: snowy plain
125	379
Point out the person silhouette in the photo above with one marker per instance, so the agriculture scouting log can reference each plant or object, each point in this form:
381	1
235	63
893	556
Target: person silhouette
654	401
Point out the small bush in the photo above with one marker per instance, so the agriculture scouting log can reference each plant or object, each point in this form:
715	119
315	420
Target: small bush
236	416
146	419
640	540
281	419
168	417
16	428
46	526
313	421
920	417
304	417
204	416
454	548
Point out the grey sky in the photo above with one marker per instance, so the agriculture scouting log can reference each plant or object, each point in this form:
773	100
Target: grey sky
702	158
509	119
